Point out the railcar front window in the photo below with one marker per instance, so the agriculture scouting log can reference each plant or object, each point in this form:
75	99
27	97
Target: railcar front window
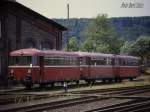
21	60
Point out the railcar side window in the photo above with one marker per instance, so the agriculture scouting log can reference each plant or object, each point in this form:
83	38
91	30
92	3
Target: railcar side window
98	61
84	61
122	62
133	62
60	61
110	61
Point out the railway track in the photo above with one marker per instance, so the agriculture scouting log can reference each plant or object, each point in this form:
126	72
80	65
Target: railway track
49	105
132	106
131	91
117	91
91	97
21	98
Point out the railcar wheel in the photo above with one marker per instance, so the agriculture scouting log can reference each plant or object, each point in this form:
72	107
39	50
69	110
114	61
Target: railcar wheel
103	80
28	82
77	82
120	80
93	81
131	79
115	80
87	81
110	80
52	84
42	85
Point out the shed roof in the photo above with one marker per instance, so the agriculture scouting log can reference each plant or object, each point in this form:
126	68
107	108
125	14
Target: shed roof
30	11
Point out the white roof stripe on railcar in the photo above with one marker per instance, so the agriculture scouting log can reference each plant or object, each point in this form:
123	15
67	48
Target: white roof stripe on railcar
97	65
128	66
60	66
127	57
88	54
59	53
22	66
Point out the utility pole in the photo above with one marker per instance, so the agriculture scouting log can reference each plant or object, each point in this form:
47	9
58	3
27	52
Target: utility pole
68	26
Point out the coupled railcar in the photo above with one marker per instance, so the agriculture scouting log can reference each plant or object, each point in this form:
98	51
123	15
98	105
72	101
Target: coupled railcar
97	66
127	67
22	70
44	67
47	66
109	67
60	66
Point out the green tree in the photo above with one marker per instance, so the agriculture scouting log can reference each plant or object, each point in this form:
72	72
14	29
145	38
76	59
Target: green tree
141	47
72	44
126	48
99	36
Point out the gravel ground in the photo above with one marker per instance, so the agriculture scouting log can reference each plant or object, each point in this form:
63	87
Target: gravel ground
89	106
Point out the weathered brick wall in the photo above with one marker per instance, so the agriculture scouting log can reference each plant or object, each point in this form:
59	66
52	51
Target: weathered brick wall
11	31
33	36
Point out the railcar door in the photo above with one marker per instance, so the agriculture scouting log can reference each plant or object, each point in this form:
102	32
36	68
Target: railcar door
117	67
41	67
85	68
89	66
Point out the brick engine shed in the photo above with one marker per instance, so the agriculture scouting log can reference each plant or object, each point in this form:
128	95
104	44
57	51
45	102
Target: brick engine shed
21	27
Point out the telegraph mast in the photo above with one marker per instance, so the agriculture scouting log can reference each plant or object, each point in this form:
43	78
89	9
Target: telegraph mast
68	26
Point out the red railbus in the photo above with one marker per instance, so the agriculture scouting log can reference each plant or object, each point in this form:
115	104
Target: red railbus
32	66
24	66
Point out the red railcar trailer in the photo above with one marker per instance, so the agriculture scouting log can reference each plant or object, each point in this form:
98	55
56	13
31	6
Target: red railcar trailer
60	66
97	66
127	67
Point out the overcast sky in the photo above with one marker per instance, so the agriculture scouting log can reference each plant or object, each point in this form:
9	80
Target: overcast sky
88	8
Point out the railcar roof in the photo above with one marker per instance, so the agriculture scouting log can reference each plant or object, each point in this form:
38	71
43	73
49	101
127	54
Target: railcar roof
26	52
36	52
96	55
